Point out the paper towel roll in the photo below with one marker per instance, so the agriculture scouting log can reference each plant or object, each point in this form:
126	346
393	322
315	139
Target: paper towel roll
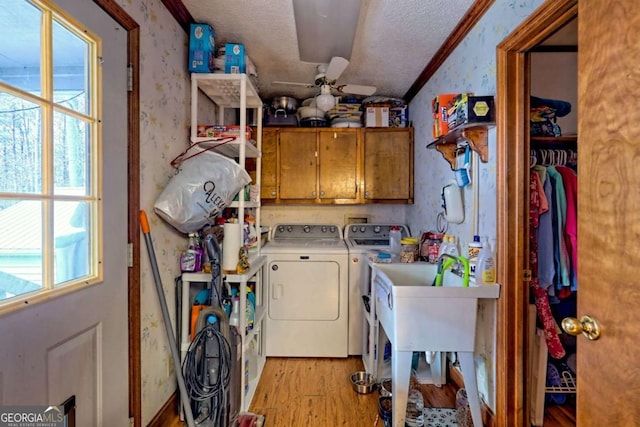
231	247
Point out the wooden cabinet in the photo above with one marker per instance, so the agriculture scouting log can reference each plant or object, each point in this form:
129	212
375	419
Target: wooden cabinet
388	165
298	164
338	157
268	189
337	166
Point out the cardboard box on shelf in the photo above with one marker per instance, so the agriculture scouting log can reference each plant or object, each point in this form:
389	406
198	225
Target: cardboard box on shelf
202	49
377	117
471	109
234	59
221	131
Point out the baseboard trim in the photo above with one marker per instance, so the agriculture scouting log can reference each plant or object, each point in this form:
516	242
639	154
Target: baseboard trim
488	419
167	415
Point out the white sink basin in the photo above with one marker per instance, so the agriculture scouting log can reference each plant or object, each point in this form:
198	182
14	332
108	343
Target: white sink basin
418	316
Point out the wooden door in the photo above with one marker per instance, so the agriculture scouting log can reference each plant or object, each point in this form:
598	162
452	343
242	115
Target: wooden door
339	165
609	211
388	164
298	164
268	189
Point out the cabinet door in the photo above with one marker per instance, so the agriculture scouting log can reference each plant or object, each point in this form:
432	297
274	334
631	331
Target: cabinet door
388	164
268	189
339	164
298	164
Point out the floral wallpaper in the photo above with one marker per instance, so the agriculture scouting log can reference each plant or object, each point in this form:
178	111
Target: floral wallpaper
164	124
164	116
471	68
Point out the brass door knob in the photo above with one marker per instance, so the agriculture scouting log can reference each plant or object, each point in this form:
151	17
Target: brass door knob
587	325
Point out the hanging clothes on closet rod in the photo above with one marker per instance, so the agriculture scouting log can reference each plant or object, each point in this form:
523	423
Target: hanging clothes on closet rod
553	157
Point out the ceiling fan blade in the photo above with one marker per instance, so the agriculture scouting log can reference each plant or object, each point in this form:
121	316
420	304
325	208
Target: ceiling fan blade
335	68
356	89
294	84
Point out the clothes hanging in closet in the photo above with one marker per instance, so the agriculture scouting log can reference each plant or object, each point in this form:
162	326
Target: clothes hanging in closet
541	297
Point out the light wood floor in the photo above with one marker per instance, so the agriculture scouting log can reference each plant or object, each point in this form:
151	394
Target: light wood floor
315	392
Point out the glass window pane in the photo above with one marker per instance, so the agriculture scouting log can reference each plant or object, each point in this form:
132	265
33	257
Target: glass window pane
70	69
20	26
20	247
20	145
71	152
72	240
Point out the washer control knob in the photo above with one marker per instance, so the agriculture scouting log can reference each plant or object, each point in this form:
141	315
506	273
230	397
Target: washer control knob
354	229
363	229
332	229
376	229
324	229
289	228
306	229
281	229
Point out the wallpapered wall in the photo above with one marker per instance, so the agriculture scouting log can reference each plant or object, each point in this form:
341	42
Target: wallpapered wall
471	68
164	97
164	124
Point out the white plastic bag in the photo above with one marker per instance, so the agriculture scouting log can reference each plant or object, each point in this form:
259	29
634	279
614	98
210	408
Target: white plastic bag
205	184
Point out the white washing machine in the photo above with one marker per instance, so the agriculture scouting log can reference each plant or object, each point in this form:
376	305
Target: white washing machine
362	239
307	280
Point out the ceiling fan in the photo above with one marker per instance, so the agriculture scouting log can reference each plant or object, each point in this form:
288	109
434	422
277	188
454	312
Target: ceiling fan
327	76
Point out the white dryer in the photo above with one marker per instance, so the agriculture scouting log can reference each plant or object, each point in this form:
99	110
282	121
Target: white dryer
307	280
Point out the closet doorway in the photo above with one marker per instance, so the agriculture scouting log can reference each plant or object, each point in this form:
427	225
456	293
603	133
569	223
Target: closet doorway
608	210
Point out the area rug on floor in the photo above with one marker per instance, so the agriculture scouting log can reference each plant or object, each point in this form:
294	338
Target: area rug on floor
439	417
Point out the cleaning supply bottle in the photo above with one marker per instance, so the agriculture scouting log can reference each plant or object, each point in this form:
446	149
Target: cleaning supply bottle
395	236
444	246
486	265
251	308
452	246
474	251
234	319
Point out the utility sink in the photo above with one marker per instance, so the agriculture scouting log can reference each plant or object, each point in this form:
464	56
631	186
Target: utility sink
416	314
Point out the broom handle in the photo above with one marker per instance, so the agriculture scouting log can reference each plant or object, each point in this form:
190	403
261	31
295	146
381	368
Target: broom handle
186	404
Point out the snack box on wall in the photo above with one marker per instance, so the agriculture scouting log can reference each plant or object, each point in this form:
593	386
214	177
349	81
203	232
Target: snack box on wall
219	131
439	106
234	59
202	49
471	109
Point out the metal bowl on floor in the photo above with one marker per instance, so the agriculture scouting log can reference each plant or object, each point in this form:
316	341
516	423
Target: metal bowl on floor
362	382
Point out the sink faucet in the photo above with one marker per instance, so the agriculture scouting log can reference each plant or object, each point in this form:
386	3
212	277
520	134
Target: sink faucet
461	268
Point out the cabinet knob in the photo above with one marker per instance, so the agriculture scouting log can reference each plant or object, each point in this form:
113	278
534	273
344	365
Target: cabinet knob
367	193
313	193
322	193
273	193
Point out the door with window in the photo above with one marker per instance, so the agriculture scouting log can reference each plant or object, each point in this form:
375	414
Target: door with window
63	209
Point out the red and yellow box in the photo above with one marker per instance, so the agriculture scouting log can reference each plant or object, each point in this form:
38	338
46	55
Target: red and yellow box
439	107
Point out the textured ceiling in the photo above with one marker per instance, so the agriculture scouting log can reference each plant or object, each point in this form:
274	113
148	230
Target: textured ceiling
394	41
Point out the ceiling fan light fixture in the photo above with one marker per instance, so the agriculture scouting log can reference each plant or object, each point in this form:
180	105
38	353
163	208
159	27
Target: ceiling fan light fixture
325	101
325	28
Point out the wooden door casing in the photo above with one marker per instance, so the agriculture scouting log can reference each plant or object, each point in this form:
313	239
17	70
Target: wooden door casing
607	205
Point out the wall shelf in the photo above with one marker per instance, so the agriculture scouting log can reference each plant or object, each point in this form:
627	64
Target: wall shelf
475	135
